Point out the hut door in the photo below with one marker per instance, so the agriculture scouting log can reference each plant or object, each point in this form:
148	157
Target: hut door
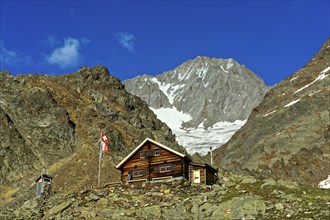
39	188
197	176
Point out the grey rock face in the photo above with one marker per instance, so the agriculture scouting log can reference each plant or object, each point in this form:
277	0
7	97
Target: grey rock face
31	118
209	90
287	135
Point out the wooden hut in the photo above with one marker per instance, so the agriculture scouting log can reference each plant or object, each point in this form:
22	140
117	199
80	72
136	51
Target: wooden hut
44	182
202	173
154	161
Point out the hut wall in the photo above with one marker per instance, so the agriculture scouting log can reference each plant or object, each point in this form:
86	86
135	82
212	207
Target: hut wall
152	161
210	177
202	173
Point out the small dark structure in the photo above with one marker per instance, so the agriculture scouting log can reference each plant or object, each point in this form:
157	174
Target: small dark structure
154	161
44	182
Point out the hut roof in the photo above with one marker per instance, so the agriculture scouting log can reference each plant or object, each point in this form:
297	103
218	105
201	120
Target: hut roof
203	164
42	176
141	145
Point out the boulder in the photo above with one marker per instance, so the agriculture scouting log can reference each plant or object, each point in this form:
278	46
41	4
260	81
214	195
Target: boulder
59	208
241	207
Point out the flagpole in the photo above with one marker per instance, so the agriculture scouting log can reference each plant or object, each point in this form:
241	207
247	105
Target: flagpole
100	161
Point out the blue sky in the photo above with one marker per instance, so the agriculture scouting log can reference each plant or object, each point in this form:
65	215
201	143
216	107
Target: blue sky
272	38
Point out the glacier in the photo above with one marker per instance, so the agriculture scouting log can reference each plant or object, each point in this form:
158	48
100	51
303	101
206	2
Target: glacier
199	139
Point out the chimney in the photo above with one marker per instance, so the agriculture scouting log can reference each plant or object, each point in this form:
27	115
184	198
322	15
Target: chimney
211	156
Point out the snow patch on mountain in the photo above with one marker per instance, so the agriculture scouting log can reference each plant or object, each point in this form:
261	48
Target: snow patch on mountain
230	64
186	75
171	116
325	184
320	77
292	103
294	78
197	139
223	69
269	113
169	90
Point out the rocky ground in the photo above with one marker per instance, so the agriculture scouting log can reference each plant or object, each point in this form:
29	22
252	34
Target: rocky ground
244	197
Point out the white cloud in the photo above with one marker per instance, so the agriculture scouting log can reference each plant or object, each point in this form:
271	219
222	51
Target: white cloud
12	58
67	55
126	40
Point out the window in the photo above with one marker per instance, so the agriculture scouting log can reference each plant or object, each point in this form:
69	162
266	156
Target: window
157	152
165	169
142	154
137	173
162	169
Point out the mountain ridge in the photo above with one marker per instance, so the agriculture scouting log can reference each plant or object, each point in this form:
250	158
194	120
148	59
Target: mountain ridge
53	123
287	135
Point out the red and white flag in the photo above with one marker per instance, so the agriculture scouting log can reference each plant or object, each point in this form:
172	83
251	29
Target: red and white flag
104	142
227	211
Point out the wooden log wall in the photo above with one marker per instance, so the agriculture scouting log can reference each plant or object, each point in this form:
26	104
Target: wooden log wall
148	164
202	173
210	177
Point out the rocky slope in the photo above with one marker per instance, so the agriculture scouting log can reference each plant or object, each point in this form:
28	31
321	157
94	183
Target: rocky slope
287	135
54	123
237	197
201	94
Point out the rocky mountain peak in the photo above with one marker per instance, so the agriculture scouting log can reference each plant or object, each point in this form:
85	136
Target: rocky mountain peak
218	85
4	73
200	94
99	72
323	53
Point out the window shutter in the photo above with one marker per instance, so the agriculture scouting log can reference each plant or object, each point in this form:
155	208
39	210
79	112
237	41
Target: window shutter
156	169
